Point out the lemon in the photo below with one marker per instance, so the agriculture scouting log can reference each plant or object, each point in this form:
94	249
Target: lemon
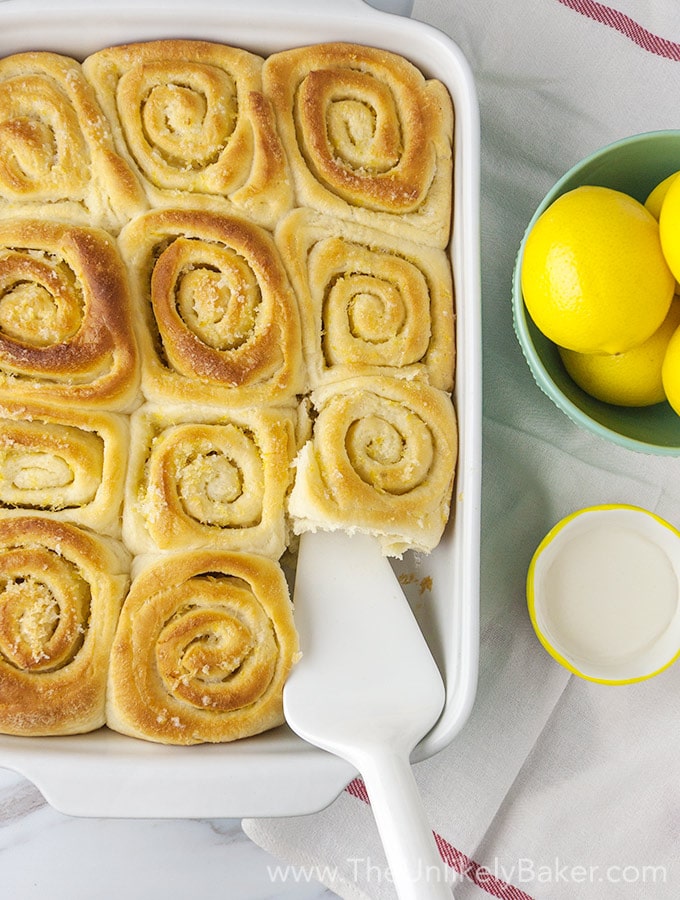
633	378
669	227
654	203
655	200
670	372
593	275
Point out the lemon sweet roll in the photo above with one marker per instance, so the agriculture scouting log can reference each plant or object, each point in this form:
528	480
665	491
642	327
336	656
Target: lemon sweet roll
371	303
381	460
216	318
367	136
205	642
61	589
57	157
66	333
209	478
191	120
64	464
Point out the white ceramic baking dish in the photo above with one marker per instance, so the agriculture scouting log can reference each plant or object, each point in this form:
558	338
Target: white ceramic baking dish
106	774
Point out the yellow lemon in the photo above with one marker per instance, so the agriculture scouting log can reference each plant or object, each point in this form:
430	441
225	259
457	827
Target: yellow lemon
593	275
633	378
654	203
655	200
669	227
670	372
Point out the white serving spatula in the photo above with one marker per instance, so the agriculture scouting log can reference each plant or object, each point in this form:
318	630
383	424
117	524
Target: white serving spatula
367	689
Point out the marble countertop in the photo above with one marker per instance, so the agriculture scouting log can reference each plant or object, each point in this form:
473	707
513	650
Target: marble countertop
46	854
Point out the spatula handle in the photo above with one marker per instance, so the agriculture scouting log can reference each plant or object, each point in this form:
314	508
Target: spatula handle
416	868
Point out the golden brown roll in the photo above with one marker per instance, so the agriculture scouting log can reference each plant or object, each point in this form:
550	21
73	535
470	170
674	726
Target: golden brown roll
65	318
191	120
208	478
57	159
203	647
61	590
64	464
381	460
368	138
371	303
218	322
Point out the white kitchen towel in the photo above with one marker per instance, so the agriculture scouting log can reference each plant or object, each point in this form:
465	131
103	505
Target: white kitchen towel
556	789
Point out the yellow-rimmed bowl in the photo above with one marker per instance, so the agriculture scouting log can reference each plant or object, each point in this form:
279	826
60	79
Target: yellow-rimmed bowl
603	593
634	165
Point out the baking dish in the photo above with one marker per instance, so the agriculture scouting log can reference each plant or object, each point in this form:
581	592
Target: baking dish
106	774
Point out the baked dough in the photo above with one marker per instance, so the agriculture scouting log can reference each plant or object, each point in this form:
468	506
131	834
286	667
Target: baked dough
61	590
64	464
217	320
381	460
57	159
368	138
209	478
226	318
371	303
191	120
204	644
65	319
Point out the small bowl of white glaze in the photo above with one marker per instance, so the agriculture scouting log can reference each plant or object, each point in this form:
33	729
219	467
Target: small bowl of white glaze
603	592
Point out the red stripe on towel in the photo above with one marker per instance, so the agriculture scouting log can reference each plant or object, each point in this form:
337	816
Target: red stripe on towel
457	860
357	789
626	26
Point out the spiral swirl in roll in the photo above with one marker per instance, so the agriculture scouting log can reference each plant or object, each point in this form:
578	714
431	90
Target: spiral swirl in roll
381	460
205	479
217	317
61	589
65	318
191	119
367	136
371	304
56	151
203	647
65	465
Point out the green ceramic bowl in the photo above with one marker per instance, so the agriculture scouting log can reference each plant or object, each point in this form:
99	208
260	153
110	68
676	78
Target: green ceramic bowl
634	165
